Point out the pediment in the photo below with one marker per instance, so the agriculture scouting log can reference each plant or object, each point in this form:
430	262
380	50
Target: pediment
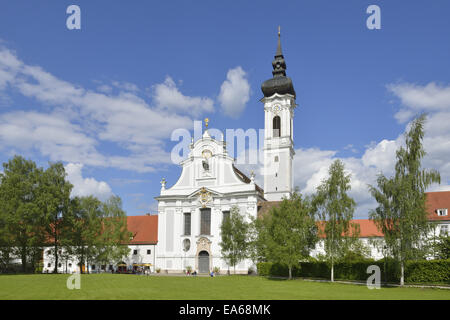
204	190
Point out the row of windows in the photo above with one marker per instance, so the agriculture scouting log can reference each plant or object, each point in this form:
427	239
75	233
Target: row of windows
59	265
136	252
103	267
205	221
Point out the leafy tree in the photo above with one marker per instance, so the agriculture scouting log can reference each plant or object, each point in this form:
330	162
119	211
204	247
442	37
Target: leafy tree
22	219
85	220
356	251
6	244
234	236
336	208
442	247
111	244
401	214
288	233
54	201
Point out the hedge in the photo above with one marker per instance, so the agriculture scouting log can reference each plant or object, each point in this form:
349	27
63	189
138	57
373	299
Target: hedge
437	271
433	271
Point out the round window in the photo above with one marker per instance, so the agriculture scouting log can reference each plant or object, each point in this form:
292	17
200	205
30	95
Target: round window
186	244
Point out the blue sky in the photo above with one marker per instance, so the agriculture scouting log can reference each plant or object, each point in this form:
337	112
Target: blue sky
105	99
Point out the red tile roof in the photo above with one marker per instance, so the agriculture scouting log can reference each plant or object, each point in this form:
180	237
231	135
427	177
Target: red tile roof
435	201
143	228
367	228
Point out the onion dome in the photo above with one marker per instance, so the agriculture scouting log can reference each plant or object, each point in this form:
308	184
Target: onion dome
279	83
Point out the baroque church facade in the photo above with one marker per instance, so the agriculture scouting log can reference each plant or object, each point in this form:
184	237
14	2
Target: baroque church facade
190	213
186	230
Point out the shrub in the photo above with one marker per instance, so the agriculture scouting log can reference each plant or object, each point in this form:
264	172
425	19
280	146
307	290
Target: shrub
437	271
434	271
263	268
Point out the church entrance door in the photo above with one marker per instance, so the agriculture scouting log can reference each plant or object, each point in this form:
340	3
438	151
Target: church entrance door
203	262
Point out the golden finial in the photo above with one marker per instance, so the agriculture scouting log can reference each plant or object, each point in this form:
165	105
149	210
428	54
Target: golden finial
206	122
279	30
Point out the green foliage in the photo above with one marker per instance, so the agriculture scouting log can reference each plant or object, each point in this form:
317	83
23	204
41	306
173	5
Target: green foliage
335	208
234	236
86	226
441	247
432	271
54	201
356	251
401	214
288	233
22	221
110	243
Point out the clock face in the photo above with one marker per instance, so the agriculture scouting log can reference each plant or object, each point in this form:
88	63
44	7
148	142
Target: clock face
277	108
206	154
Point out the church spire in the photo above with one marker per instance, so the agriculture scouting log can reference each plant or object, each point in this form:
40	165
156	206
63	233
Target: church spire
279	64
279	53
279	83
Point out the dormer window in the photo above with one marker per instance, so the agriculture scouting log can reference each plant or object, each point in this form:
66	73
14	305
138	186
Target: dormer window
442	212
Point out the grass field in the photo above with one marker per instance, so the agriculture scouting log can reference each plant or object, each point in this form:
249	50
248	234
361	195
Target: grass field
116	286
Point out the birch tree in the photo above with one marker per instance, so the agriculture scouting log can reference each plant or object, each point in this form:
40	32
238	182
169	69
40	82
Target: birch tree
401	214
333	205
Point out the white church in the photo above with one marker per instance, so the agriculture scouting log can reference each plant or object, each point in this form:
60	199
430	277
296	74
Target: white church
191	212
186	231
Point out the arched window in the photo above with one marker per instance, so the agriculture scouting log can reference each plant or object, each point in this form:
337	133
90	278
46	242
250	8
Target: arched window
276	126
276	159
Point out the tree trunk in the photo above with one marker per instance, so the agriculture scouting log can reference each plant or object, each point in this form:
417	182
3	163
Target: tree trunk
402	274
332	271
56	257
290	273
24	259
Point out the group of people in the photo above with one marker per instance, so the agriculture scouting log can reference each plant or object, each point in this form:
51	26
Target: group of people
194	273
189	273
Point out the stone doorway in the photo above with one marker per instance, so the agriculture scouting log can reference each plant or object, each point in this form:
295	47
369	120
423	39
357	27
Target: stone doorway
203	262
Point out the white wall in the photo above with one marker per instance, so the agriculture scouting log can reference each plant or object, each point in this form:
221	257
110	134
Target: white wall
72	263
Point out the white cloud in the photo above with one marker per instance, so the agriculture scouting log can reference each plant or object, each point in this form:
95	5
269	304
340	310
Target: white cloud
91	117
169	98
382	156
416	98
52	135
433	99
311	165
234	92
86	186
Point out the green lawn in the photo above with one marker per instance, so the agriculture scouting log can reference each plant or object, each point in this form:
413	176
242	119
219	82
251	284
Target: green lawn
112	286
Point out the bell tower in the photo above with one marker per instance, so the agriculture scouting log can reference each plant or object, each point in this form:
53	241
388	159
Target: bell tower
279	105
